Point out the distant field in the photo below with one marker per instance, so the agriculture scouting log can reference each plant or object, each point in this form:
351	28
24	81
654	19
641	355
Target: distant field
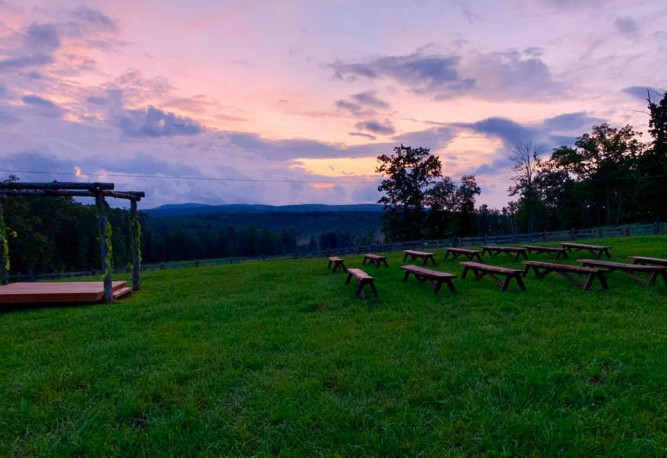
278	357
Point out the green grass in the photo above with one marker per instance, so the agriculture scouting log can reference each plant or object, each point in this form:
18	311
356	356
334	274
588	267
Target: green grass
278	357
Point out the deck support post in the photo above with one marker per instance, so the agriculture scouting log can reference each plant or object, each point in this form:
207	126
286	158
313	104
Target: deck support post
104	248
4	243
135	244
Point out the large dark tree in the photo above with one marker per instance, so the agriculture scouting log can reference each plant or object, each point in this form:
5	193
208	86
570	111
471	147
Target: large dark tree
652	166
526	158
605	162
465	204
410	173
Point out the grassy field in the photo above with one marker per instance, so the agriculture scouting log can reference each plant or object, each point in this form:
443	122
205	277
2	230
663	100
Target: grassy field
278	357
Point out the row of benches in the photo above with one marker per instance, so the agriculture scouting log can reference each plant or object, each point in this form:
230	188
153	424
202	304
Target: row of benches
591	269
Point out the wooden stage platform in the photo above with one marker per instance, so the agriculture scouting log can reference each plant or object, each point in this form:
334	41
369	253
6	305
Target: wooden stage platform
59	292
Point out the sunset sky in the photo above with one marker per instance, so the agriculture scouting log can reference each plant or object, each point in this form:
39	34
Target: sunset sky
290	101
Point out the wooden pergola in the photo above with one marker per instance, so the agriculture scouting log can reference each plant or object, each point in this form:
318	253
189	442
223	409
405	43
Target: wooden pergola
97	190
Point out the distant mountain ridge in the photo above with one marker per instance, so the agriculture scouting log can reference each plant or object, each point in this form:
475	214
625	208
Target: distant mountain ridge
189	209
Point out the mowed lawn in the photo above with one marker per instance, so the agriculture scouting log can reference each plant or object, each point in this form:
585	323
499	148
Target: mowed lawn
278	357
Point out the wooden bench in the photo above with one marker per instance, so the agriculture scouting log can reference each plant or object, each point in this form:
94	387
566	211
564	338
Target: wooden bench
552	251
566	270
512	251
597	250
470	254
480	270
364	279
419	254
337	262
375	259
649	261
435	277
631	270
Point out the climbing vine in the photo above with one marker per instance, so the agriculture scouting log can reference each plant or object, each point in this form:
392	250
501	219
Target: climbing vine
4	235
136	226
108	260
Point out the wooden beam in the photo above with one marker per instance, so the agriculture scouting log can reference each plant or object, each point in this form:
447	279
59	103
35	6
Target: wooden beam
135	244
129	195
56	185
104	248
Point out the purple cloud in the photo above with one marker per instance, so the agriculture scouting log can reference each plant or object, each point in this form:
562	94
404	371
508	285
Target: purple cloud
42	37
153	122
34	60
627	26
95	18
376	127
369	98
44	106
421	72
643	92
359	134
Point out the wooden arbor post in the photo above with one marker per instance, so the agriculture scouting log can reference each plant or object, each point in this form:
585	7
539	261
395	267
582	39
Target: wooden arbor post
135	244
4	242
104	246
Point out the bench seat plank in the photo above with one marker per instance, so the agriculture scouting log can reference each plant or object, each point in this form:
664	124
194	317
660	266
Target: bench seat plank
480	270
553	251
597	250
337	262
424	255
436	277
511	251
631	270
364	279
542	269
375	259
650	261
468	253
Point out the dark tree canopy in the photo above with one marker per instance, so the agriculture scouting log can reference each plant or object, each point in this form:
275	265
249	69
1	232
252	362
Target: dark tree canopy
410	172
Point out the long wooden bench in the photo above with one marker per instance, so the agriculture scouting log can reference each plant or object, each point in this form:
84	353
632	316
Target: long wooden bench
436	278
364	279
512	251
468	253
597	250
649	261
567	271
336	262
480	270
375	259
552	251
424	255
631	270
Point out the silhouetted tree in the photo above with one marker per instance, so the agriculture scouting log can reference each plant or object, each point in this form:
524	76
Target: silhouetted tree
410	173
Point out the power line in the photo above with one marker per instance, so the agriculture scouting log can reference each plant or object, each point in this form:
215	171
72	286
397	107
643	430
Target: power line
179	177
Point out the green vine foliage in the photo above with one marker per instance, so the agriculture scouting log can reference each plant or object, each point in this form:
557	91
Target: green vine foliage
108	261
136	226
4	242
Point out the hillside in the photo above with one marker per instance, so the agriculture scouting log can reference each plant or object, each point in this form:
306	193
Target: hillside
279	358
182	210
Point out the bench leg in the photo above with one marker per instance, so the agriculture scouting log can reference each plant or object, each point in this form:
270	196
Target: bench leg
363	263
520	282
349	277
385	263
450	285
436	286
405	277
603	280
372	285
465	272
360	290
405	256
329	265
506	283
